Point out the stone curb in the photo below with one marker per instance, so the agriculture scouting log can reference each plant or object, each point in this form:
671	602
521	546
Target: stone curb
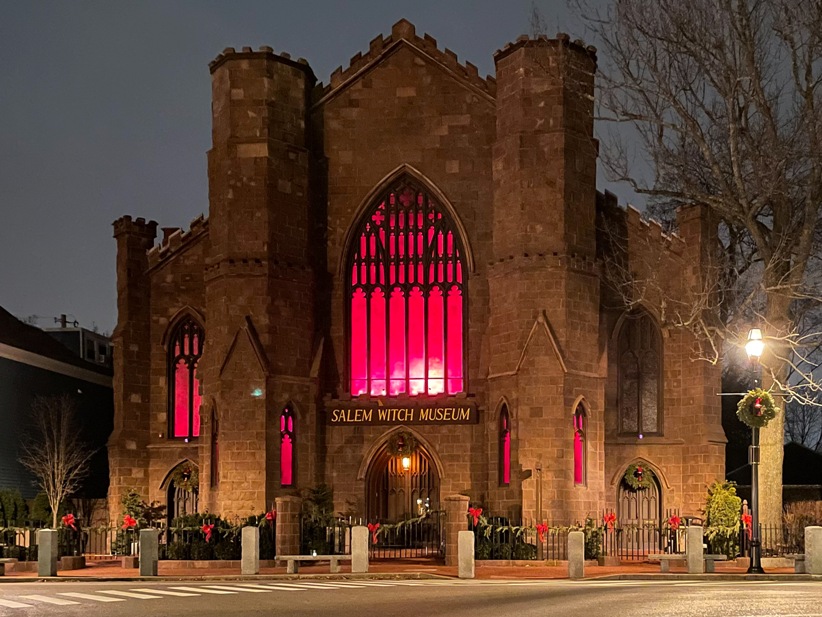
226	577
708	577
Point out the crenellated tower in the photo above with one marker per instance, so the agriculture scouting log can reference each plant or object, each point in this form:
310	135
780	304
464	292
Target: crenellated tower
127	454
259	279
544	285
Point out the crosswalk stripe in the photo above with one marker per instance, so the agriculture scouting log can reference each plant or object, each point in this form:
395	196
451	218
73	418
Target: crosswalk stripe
313	586
13	604
166	592
88	596
49	600
284	588
266	587
129	594
235	589
341	585
203	590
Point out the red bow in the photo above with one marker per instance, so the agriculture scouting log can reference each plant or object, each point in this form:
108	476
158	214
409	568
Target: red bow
68	521
373	528
609	519
541	529
271	516
206	529
129	522
674	522
747	522
475	513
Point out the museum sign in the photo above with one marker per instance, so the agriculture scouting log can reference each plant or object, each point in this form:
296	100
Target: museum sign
358	413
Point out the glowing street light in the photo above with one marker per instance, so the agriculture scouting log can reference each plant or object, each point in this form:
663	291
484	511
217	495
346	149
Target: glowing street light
754	348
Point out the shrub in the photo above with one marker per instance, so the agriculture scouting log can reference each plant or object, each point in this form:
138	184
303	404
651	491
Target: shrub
13	509
525	551
200	550
593	539
799	515
722	519
178	550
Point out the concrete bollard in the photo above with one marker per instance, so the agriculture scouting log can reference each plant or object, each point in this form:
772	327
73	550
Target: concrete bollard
47	552
576	554
359	549
149	551
250	551
813	550
466	554
693	550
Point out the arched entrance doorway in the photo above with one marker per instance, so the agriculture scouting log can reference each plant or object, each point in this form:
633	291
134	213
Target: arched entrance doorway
639	515
182	491
399	488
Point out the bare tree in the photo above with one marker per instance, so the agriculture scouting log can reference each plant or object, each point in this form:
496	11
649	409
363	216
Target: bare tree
722	101
803	425
54	451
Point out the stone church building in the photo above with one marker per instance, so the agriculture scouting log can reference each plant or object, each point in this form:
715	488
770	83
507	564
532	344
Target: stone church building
400	291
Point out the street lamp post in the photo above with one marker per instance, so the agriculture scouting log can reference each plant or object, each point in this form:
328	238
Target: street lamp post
754	348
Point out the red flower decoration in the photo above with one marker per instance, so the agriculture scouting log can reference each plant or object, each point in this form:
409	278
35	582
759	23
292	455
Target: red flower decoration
609	519
674	522
206	529
68	521
373	528
541	529
271	516
747	523
129	522
475	513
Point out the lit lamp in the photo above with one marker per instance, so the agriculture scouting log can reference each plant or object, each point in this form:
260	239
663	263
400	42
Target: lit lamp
754	348
406	463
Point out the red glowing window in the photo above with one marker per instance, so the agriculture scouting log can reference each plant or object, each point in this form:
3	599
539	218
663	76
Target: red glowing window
287	446
406	299
504	447
184	351
579	446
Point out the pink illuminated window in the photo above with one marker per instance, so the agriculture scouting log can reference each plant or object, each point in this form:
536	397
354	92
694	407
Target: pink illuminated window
579	446
287	446
504	447
407	300
184	351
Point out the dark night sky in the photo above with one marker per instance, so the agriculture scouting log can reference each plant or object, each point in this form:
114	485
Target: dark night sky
105	111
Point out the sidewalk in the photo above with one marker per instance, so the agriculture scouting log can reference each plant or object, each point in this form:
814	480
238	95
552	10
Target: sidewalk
113	570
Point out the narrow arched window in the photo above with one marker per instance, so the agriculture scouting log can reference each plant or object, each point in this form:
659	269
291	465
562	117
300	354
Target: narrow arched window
504	446
579	446
215	450
406	298
184	351
287	446
640	373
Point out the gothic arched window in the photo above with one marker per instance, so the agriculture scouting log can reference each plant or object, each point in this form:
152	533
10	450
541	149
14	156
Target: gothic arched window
407	301
640	374
579	446
287	446
504	446
185	348
215	450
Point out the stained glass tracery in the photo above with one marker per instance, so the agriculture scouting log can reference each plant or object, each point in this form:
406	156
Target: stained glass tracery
504	446
407	299
640	372
287	446
184	351
579	446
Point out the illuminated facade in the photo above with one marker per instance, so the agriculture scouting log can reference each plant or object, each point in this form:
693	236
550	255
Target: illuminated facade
410	253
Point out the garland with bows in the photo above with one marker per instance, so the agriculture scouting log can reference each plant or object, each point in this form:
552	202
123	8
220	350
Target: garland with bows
638	476
757	408
186	477
402	443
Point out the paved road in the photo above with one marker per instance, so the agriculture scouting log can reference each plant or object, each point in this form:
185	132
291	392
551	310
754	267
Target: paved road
478	598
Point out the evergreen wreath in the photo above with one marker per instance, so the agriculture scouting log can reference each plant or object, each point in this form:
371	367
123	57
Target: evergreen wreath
638	476
402	444
757	408
186	477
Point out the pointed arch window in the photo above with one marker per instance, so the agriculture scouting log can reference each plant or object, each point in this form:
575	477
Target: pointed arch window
184	351
215	450
287	446
640	376
579	446
406	298
504	446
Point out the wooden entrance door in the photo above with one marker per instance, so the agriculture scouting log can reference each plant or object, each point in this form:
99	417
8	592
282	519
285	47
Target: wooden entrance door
639	519
394	493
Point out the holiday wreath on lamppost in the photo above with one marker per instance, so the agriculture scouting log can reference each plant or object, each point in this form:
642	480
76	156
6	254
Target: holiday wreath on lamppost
638	476
757	408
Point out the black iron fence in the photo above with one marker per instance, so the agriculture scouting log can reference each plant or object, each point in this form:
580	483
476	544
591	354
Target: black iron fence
776	541
412	538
